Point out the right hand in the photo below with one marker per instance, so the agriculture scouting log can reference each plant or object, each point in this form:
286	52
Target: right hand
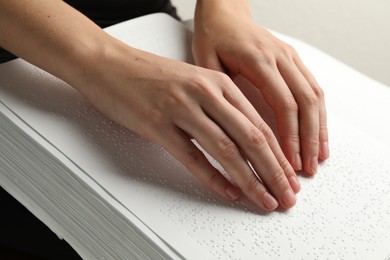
171	102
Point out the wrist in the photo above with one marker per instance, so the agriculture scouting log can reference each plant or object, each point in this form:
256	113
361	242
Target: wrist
88	60
100	62
226	9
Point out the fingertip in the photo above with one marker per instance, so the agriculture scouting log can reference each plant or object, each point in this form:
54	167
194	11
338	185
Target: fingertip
324	151
289	199
297	162
269	202
314	164
294	183
311	166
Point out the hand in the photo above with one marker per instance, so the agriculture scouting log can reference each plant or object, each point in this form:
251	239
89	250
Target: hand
171	102
227	40
167	101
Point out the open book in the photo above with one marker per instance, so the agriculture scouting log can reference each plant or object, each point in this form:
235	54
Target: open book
113	195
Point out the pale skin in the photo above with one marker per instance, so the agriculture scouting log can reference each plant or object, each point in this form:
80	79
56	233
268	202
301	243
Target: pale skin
172	102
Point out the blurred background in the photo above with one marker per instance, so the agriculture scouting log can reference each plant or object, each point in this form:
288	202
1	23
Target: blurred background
355	32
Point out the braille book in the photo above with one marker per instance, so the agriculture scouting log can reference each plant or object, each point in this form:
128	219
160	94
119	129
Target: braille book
111	194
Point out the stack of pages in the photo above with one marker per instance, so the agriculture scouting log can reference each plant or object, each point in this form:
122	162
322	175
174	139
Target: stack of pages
113	195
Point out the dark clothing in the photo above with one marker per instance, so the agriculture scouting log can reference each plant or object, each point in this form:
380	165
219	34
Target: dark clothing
108	12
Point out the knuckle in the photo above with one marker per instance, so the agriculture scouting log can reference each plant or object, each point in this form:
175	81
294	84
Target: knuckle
287	51
284	164
226	84
319	92
227	149
208	86
290	48
277	177
310	100
264	58
290	137
155	117
256	137
324	133
252	184
198	83
192	159
289	105
294	138
214	181
312	140
266	131
171	100
223	78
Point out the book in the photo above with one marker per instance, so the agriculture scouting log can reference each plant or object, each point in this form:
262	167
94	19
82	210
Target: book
111	194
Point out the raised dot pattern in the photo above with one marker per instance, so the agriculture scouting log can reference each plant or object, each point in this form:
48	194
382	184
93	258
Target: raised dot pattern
342	213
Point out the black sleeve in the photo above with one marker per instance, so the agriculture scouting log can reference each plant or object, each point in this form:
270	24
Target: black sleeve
108	12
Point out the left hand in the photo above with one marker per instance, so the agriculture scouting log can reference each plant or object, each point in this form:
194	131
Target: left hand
226	39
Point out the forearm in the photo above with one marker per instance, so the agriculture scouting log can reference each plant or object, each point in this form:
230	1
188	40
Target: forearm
164	100
53	36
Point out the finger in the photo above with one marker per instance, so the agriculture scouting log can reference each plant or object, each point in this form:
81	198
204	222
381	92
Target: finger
279	97
215	142
324	141
239	101
210	61
194	160
254	142
309	121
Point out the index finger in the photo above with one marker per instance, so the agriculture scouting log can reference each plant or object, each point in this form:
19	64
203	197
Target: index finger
239	101
255	142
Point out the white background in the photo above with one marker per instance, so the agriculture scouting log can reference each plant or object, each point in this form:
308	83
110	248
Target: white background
355	32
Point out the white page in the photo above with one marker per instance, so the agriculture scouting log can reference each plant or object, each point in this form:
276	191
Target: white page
343	212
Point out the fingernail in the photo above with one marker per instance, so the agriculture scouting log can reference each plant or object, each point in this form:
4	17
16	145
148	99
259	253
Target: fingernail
288	198
325	149
298	162
314	164
294	183
269	202
232	192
